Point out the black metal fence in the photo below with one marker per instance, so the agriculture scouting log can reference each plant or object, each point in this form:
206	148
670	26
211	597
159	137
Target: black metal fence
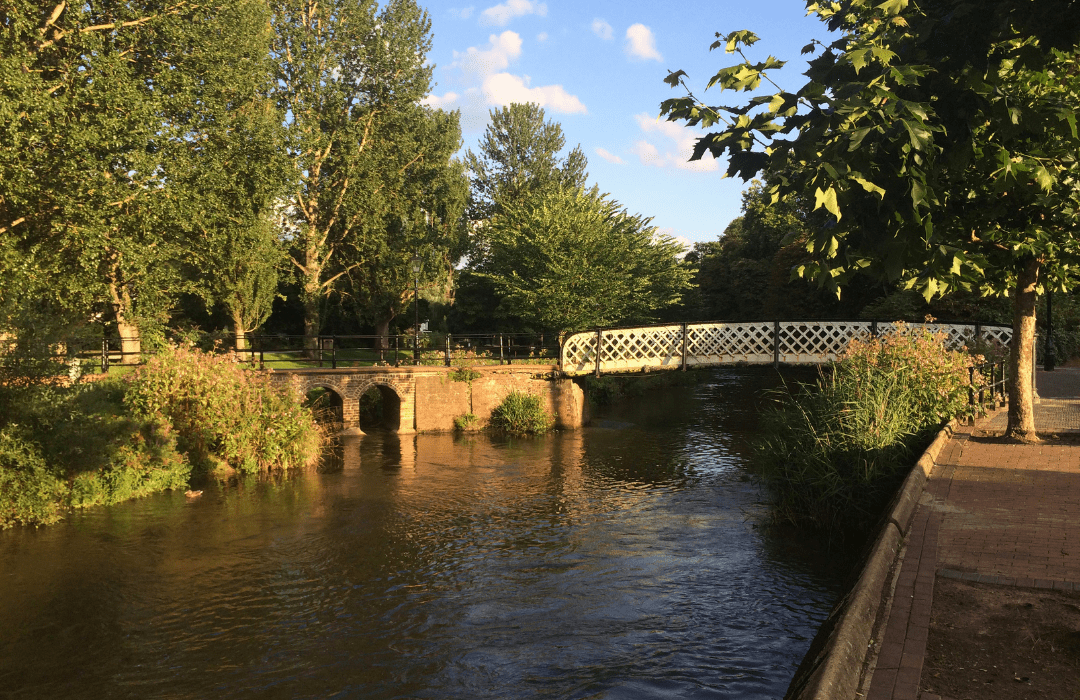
434	349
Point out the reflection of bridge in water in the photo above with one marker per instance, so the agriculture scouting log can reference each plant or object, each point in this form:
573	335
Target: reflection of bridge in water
623	350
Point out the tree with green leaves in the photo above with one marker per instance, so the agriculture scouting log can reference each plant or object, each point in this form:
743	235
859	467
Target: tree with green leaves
99	103
940	137
519	153
419	211
346	70
565	258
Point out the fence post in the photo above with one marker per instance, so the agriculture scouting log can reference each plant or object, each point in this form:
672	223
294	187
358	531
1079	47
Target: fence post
333	352
397	348
262	365
684	347
105	356
447	349
776	344
500	350
971	390
599	346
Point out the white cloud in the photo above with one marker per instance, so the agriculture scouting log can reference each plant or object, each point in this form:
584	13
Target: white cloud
641	44
462	12
686	244
501	14
678	142
501	51
609	156
488	83
542	36
443	102
602	29
504	88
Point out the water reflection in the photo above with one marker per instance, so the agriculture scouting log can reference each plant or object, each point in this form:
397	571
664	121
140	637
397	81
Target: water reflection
620	561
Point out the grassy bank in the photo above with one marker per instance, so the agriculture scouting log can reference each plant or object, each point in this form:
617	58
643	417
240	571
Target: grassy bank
833	453
182	416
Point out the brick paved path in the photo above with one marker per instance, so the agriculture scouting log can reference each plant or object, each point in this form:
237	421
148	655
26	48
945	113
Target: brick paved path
991	512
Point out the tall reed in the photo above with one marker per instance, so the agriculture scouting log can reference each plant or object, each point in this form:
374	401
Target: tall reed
832	454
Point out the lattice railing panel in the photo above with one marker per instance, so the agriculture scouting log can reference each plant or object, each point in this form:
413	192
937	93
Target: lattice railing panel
718	343
800	342
814	342
653	346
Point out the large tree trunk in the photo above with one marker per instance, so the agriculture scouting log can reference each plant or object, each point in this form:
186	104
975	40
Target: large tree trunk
382	330
130	342
240	332
1022	355
310	293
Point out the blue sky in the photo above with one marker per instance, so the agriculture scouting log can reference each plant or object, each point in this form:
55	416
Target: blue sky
597	67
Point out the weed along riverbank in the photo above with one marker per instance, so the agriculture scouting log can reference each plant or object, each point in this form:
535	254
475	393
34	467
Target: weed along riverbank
183	417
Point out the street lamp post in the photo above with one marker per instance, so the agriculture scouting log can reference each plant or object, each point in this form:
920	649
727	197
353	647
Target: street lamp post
416	309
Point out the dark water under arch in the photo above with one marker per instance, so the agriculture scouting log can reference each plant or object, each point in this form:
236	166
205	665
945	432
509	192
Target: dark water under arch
626	560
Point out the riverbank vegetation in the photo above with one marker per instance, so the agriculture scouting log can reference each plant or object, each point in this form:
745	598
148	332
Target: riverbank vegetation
832	454
182	416
520	413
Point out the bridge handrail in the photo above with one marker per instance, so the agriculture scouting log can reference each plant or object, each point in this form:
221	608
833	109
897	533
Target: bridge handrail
795	341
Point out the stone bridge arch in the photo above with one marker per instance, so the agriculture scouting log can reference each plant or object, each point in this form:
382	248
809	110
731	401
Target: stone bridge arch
399	394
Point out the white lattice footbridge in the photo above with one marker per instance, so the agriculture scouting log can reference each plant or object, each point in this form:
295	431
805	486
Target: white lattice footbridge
622	350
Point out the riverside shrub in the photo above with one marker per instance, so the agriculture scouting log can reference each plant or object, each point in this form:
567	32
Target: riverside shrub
223	413
72	447
521	414
832	454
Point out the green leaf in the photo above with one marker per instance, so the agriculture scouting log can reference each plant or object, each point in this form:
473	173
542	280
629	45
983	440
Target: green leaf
828	200
858	58
955	269
893	7
869	186
1044	178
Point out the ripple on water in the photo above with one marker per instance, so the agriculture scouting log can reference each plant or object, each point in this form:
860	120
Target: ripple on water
621	561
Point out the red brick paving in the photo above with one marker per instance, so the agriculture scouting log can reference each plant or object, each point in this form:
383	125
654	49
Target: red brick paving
990	512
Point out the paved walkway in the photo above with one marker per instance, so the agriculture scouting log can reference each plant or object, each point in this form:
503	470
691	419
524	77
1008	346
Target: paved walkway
991	512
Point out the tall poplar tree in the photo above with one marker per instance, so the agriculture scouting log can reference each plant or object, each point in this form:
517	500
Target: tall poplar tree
346	68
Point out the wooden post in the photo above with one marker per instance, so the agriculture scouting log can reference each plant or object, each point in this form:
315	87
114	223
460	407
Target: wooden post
684	347
447	349
599	346
776	344
333	352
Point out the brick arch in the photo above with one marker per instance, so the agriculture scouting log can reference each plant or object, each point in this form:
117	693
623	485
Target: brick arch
338	391
398	395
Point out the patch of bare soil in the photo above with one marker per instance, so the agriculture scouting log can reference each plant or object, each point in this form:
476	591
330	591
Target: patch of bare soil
991	642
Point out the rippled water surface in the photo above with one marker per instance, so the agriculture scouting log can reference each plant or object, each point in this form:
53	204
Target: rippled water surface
625	560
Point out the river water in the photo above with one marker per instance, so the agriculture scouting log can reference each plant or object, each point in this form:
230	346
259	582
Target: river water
627	560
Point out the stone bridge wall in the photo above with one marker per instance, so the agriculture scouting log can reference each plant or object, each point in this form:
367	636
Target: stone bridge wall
430	399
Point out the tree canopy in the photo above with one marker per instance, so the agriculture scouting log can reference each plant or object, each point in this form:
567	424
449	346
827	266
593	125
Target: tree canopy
940	137
566	258
519	153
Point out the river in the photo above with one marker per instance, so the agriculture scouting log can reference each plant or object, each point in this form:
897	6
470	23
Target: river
630	559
